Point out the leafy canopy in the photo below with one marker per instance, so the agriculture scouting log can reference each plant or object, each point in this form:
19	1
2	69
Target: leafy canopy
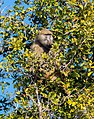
62	86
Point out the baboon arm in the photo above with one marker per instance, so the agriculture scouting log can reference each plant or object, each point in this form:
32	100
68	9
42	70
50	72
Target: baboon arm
37	49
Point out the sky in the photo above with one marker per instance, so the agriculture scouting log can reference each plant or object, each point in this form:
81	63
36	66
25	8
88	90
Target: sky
7	5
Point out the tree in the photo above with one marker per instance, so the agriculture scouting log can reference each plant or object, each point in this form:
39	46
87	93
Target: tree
63	86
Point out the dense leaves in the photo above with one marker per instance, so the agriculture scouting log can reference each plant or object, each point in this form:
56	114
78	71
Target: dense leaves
61	84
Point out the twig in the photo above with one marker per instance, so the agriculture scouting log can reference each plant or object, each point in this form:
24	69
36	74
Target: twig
71	60
39	104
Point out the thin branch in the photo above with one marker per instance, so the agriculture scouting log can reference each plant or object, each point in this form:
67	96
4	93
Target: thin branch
39	104
71	60
32	99
1	11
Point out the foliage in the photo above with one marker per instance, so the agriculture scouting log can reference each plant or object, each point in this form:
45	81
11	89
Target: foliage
62	85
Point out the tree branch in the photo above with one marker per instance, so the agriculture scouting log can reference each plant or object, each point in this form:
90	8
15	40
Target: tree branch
38	101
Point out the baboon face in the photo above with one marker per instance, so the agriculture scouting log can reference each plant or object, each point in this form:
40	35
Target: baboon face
43	42
45	39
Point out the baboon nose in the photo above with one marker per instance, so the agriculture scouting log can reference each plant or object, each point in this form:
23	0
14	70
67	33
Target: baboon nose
48	42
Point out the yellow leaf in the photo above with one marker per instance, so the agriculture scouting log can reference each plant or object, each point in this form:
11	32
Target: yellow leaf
0	65
81	6
92	67
73	0
18	92
89	73
70	101
74	40
73	103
